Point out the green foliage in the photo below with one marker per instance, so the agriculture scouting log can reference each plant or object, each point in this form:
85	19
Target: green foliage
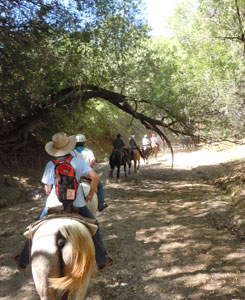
48	46
193	81
100	121
209	71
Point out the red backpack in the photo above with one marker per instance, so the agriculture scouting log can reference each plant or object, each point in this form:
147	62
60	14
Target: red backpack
65	180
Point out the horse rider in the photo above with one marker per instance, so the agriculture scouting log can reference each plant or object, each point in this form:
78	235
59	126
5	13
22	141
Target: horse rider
154	141
60	148
187	141
88	156
118	143
132	142
146	142
133	145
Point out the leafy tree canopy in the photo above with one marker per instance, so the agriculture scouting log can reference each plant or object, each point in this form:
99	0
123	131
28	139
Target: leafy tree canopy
55	56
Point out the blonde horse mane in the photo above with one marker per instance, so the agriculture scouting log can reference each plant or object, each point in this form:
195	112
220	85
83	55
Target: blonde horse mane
82	259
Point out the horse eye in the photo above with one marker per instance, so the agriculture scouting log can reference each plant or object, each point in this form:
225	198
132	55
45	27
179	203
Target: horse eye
61	242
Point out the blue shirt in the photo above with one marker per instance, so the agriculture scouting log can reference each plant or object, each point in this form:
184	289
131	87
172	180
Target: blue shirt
81	169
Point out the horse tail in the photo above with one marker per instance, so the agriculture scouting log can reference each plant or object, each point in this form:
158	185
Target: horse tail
81	263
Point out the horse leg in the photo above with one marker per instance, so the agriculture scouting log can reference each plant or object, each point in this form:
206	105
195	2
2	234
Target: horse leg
111	173
118	171
80	293
129	167
125	169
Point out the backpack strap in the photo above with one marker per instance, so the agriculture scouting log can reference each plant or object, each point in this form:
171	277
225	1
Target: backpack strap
74	152
56	161
67	159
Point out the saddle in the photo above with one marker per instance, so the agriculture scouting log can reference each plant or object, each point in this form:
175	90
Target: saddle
85	179
89	223
146	147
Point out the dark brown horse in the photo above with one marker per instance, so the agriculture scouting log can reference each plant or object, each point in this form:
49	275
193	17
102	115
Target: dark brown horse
147	151
196	140
119	158
187	142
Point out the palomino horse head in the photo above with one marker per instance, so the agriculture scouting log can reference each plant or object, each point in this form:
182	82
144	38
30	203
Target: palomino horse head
63	258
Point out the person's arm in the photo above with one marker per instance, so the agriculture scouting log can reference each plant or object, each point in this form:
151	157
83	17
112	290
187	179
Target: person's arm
92	163
47	188
48	177
93	186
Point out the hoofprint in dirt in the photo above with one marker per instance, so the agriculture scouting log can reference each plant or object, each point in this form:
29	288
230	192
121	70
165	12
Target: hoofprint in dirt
159	228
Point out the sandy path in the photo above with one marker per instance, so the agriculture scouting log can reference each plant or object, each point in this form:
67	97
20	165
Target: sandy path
159	229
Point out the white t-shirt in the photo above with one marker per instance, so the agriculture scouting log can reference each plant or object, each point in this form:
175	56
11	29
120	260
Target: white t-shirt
154	141
81	169
145	141
86	154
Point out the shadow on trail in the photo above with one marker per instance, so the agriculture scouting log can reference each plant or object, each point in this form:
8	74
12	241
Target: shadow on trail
15	285
160	232
159	229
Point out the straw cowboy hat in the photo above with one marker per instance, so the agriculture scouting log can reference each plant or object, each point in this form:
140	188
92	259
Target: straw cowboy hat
61	144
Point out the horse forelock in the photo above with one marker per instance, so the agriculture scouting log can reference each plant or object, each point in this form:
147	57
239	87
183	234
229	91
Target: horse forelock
82	264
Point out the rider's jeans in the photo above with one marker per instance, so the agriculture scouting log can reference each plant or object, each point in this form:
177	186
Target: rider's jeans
100	252
101	199
25	253
43	213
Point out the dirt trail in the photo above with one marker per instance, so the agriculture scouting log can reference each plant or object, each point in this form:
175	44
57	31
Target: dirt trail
161	231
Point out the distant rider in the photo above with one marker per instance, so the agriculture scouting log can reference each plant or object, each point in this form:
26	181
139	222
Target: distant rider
133	145
154	141
146	142
118	143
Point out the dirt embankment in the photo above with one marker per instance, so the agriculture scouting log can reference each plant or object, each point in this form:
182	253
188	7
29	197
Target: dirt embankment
173	234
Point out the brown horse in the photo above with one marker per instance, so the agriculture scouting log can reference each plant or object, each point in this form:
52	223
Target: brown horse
134	155
155	150
117	159
147	151
187	142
